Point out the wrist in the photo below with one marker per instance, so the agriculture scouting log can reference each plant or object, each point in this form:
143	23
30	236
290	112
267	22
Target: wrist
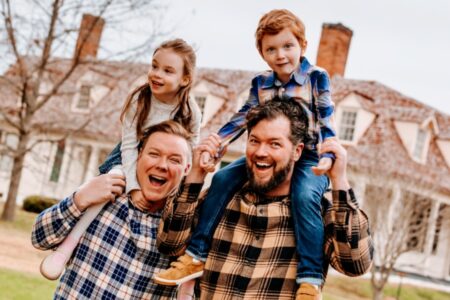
340	183
78	201
196	175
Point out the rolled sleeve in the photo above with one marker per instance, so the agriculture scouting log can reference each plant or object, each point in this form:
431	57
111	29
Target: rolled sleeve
54	224
348	241
178	219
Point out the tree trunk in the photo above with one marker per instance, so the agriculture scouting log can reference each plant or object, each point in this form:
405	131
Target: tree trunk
16	174
377	294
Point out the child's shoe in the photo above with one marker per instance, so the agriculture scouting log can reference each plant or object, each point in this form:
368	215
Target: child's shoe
180	271
308	291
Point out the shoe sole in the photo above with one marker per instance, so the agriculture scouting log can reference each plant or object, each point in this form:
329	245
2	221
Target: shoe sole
163	281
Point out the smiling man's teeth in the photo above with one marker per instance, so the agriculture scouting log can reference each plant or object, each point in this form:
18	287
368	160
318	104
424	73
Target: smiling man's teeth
157	179
262	165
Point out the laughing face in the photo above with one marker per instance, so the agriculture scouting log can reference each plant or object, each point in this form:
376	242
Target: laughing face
270	156
161	165
166	75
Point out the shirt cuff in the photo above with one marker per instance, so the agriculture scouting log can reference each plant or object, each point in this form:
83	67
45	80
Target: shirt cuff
343	199
69	209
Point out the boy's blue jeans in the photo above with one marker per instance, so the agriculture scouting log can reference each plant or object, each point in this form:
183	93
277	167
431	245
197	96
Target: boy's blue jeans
114	158
306	195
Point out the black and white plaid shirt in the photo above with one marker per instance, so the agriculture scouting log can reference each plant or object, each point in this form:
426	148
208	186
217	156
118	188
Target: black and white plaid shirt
115	258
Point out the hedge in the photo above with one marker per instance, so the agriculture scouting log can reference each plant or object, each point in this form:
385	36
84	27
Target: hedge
37	203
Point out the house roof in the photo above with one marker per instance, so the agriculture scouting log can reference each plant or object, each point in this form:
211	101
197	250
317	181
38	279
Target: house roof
380	147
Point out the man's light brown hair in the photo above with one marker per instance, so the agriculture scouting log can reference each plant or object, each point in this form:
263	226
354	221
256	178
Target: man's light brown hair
169	127
276	21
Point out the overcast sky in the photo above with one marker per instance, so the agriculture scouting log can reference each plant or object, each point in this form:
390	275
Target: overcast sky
404	44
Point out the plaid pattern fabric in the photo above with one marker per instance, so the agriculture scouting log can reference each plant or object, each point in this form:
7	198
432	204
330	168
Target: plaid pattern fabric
309	86
253	253
115	258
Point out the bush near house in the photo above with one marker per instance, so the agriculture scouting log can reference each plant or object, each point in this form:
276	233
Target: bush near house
37	203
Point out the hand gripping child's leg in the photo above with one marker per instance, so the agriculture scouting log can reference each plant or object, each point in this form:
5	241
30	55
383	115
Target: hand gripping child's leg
53	265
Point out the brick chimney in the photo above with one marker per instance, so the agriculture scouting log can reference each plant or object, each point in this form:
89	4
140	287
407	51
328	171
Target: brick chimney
333	48
89	36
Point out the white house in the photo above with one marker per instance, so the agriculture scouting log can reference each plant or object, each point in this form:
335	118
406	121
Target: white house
394	142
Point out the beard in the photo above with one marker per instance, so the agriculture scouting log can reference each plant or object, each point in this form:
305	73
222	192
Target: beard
277	178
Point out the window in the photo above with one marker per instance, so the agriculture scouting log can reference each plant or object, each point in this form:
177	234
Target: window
347	126
420	143
443	210
57	162
85	97
103	154
418	221
201	100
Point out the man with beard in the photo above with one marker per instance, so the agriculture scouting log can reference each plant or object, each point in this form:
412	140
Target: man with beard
252	253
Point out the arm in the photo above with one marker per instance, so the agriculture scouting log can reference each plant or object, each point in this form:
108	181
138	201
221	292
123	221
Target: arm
129	149
233	129
178	219
179	214
196	121
348	244
237	124
325	109
55	223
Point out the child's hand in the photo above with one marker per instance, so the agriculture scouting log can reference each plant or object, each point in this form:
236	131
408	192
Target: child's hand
209	148
207	162
323	166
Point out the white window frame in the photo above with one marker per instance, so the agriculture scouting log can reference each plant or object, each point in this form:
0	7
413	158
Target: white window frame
344	126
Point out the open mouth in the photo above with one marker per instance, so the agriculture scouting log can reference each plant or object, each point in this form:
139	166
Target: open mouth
262	165
157	180
156	83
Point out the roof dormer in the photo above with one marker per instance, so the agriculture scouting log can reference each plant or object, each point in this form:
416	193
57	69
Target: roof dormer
352	120
88	94
208	102
416	137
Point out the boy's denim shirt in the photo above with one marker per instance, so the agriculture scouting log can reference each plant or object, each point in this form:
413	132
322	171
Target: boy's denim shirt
309	86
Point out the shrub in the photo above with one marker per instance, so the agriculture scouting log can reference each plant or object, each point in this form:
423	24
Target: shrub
37	203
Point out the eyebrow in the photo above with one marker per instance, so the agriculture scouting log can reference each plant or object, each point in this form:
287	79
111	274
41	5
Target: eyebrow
170	154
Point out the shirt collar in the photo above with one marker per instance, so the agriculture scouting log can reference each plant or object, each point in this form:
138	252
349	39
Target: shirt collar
299	75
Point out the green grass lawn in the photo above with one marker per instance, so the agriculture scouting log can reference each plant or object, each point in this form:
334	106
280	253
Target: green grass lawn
345	288
21	286
23	220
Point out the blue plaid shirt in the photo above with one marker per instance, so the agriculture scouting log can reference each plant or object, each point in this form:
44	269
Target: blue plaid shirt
115	258
309	86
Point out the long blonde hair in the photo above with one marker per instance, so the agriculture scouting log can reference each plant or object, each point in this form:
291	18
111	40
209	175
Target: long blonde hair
183	111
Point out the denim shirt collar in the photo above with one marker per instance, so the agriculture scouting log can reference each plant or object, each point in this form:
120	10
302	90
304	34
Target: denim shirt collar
299	76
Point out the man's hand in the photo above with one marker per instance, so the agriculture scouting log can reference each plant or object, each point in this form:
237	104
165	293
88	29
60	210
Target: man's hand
338	171
99	189
209	145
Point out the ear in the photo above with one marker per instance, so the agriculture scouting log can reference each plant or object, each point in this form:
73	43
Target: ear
185	80
304	46
298	151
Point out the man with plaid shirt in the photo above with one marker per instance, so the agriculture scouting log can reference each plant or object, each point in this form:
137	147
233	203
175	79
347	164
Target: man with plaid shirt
117	256
252	254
